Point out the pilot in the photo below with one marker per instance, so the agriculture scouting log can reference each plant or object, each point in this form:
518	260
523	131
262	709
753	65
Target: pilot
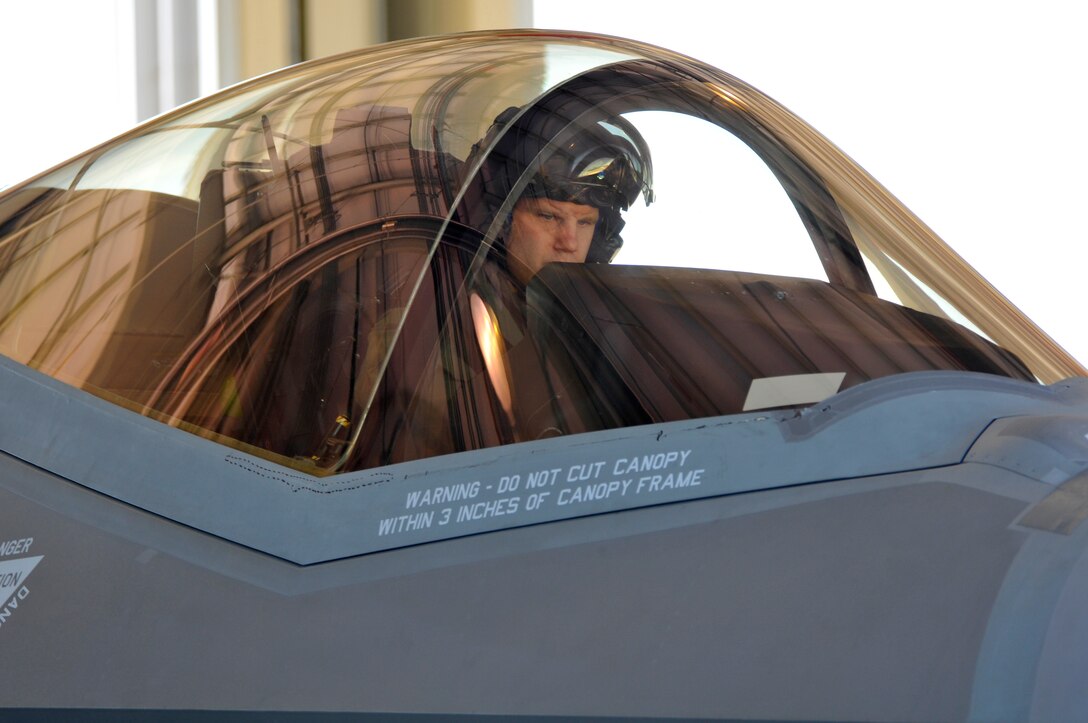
571	181
550	187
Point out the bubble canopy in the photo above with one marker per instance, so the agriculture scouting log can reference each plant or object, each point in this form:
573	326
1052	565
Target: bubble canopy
453	243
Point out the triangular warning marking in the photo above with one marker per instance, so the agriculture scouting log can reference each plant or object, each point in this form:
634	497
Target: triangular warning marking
13	575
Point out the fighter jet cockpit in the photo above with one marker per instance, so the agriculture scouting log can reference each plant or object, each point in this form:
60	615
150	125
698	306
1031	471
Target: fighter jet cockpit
376	259
521	373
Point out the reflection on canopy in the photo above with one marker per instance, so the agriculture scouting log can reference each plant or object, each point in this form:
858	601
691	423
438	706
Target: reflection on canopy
307	267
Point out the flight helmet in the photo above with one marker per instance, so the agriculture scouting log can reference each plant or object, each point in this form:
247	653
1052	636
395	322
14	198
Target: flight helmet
593	159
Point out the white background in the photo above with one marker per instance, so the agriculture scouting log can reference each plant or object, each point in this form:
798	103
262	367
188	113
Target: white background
69	80
972	113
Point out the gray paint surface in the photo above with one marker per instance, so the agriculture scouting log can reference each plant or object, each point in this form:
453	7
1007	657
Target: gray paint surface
911	421
856	577
853	602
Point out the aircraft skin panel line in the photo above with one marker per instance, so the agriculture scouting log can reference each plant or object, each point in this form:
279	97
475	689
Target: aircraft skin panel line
197	483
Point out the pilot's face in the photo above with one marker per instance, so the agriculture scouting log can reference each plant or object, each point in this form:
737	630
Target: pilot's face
543	231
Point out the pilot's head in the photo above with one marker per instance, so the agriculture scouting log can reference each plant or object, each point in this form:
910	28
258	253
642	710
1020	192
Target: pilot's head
557	187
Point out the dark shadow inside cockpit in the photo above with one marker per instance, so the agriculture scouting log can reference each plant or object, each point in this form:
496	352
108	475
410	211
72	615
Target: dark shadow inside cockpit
664	344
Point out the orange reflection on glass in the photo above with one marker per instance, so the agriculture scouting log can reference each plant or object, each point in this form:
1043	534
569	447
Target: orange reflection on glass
493	349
